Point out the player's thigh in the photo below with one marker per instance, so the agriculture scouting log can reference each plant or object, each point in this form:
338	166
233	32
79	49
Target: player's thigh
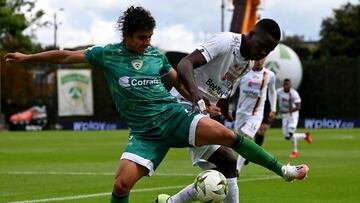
144	152
209	131
293	121
285	126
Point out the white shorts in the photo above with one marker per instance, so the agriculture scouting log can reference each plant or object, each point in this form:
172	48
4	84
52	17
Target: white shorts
247	124
289	123
200	155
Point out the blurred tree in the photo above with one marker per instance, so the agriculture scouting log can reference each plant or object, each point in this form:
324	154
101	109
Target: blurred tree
298	44
15	17
340	35
293	41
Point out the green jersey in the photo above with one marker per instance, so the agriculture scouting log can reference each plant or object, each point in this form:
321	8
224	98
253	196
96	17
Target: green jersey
135	85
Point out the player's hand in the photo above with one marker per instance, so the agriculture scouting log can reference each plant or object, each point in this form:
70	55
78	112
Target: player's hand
197	97
272	115
227	115
213	110
224	105
15	57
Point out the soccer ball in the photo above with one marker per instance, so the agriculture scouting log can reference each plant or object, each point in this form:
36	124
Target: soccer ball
210	186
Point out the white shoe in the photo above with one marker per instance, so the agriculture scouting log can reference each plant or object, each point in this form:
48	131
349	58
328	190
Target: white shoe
162	198
290	173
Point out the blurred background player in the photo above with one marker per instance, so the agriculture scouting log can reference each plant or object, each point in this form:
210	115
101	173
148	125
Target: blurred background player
290	104
268	118
254	87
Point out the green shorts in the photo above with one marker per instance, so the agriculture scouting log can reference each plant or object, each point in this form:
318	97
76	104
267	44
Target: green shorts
178	131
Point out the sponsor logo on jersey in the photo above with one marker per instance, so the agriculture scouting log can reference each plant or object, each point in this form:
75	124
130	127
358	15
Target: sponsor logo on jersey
254	84
126	81
216	89
252	92
137	64
236	40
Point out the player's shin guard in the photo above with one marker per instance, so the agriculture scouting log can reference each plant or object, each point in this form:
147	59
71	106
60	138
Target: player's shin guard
256	154
116	199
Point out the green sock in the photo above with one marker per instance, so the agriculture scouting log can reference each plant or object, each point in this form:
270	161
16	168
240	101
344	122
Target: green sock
256	154
117	199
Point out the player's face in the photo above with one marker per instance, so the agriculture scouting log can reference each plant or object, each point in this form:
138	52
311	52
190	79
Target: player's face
261	45
287	86
139	41
259	63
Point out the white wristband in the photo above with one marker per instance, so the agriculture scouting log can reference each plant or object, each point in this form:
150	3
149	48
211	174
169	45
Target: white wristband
202	106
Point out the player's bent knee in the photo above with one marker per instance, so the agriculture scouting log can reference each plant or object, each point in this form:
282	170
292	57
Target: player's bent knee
227	135
121	187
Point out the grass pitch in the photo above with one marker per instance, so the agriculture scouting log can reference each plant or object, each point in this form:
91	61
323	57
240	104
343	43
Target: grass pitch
64	166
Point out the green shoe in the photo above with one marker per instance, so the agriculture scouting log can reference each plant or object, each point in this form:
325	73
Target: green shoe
162	198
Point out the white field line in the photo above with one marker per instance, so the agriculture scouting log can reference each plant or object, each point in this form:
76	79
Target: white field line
86	173
132	191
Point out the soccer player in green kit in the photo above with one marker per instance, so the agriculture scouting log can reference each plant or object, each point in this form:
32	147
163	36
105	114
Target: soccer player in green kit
134	71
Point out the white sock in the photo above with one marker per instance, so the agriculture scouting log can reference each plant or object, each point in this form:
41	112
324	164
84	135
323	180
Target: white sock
185	195
299	136
233	194
294	143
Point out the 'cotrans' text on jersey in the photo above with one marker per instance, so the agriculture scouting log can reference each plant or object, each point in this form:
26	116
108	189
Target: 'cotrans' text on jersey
126	81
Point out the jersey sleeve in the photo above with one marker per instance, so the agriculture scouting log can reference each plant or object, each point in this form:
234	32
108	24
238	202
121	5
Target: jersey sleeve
95	55
216	45
296	97
166	66
272	93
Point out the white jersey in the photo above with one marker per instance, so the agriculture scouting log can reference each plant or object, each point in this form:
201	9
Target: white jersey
216	78
253	87
224	66
287	100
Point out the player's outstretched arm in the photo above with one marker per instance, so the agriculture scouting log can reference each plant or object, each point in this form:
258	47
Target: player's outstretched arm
172	79
55	56
185	70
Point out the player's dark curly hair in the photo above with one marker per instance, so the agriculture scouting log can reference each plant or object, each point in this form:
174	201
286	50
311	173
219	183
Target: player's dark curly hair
135	19
269	26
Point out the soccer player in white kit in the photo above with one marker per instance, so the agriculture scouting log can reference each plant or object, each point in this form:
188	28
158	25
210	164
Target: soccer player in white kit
212	69
250	108
290	104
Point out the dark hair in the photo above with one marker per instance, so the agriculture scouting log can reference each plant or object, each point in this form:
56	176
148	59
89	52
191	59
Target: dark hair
135	19
269	26
287	80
